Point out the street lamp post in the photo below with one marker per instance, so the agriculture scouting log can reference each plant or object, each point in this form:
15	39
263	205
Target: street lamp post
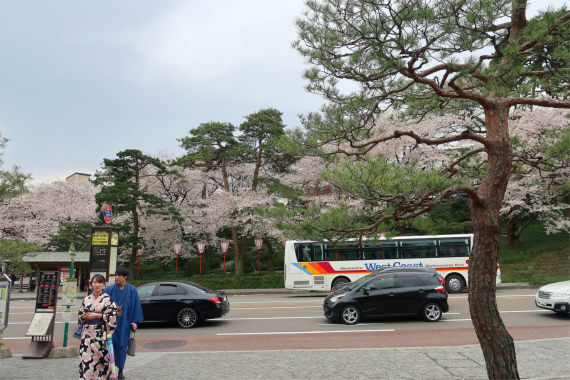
177	249
140	252
201	247
258	245
72	254
225	245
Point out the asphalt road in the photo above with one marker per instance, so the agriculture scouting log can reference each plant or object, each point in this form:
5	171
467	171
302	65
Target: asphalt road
296	321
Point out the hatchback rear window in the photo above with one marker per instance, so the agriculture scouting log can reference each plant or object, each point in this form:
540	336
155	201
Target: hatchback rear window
408	280
429	279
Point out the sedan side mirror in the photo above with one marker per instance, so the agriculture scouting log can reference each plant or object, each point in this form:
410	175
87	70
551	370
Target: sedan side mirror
367	290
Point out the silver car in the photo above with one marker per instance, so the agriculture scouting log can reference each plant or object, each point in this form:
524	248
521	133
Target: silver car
554	297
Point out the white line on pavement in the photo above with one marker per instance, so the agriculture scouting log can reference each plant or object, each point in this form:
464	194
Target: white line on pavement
275	307
304	332
246	319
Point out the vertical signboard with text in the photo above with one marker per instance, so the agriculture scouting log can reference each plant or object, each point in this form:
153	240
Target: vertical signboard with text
103	253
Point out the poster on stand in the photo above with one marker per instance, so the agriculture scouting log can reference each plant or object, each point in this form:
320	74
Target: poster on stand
69	292
40	324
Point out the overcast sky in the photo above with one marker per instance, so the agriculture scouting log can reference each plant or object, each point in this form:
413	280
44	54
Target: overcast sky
81	80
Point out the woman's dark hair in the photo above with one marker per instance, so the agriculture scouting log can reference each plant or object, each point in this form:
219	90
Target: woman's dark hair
122	271
98	278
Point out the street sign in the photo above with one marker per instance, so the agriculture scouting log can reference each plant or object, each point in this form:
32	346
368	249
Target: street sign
106	213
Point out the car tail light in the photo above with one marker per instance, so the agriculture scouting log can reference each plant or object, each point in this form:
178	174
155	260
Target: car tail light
215	300
442	280
441	289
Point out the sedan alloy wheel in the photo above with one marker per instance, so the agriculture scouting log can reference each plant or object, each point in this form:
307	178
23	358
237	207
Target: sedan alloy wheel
187	317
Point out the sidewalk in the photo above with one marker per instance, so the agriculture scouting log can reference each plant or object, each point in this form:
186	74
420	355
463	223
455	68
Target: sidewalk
537	360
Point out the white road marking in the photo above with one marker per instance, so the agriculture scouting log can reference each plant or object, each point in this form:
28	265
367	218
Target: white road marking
303	332
246	319
275	307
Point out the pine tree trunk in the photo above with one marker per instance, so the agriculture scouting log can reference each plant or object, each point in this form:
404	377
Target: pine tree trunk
513	233
496	343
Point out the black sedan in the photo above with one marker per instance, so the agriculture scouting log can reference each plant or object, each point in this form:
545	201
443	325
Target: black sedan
389	293
183	302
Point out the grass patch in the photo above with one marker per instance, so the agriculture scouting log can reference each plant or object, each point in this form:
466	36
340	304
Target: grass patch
540	259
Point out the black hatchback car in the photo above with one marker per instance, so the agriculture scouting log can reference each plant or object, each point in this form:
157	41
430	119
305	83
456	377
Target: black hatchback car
389	293
182	302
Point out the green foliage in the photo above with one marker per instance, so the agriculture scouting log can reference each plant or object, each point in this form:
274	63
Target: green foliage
77	233
209	144
13	249
12	182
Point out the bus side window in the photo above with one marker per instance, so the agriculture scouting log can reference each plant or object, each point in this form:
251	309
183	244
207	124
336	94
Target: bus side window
375	254
448	252
461	251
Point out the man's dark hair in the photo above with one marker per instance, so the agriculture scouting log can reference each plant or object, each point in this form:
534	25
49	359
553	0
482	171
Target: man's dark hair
122	271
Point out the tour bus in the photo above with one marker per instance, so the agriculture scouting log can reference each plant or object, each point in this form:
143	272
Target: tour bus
322	266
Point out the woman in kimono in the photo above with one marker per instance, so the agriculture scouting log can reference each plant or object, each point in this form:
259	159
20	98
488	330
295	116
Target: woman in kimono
97	310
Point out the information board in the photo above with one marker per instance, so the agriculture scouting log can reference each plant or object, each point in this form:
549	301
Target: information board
47	291
69	292
40	324
4	303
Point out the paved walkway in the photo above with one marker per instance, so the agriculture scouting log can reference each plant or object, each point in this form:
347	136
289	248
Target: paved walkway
539	359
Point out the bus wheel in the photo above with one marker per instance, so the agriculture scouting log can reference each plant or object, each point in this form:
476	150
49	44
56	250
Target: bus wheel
339	281
454	283
350	315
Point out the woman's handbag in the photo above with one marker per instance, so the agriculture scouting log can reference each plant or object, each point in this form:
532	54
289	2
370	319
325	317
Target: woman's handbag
132	347
77	334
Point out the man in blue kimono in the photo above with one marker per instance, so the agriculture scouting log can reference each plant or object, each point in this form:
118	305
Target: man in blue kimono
129	314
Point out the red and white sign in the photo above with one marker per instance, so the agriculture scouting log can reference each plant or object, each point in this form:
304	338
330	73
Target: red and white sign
140	251
107	214
258	244
201	247
177	248
225	245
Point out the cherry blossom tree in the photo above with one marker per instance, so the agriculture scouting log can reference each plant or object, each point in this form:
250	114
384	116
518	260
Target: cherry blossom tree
538	188
39	213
